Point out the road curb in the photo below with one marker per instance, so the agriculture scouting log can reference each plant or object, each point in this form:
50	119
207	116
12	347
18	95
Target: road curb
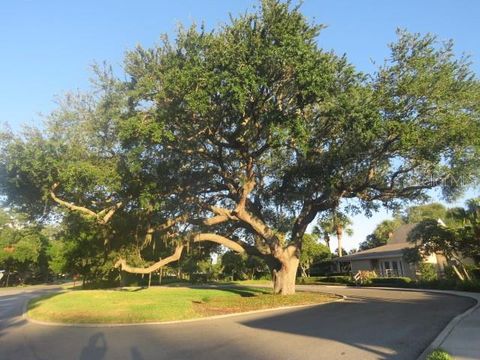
173	322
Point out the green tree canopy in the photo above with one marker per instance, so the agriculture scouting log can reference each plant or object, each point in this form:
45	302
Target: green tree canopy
433	211
381	234
457	240
22	248
312	251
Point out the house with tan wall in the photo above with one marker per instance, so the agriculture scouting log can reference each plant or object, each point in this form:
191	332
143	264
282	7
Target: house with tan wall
387	260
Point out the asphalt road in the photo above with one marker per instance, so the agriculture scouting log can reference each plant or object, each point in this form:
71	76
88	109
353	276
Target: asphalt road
371	324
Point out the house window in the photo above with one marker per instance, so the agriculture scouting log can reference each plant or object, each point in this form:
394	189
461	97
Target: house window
395	268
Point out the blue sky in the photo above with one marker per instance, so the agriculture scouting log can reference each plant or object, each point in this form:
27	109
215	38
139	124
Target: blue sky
47	47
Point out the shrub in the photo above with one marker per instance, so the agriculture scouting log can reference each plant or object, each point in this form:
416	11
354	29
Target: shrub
468	285
440	284
364	277
427	272
450	284
265	277
476	273
449	273
392	281
173	280
99	284
439	354
343	279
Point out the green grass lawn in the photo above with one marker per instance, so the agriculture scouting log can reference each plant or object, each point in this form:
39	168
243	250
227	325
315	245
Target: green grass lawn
159	304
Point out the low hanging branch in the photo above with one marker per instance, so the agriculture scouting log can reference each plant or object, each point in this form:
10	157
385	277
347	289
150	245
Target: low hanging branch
221	215
102	217
122	263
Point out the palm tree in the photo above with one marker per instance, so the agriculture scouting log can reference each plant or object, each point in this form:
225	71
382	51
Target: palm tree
334	223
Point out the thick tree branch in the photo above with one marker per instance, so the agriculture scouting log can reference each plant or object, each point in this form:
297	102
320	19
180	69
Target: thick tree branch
222	215
70	206
102	217
219	240
109	212
122	263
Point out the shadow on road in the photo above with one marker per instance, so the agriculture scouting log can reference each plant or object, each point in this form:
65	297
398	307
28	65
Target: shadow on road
393	330
136	355
96	348
7	325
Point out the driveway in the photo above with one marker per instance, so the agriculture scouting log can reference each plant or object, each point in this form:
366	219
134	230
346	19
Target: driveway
371	324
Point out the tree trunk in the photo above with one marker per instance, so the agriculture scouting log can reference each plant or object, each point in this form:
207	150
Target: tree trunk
327	241
459	274
284	279
304	271
339	238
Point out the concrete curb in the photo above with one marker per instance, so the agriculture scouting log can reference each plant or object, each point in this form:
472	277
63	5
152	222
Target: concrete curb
207	318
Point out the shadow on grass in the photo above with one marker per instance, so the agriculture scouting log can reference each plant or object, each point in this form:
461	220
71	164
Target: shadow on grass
242	290
36	301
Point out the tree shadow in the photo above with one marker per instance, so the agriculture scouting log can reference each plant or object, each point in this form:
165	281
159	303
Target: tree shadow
136	354
131	289
37	300
242	290
8	324
14	305
393	330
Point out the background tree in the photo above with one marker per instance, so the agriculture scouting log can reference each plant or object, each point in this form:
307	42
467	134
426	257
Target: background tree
339	251
381	234
22	250
416	214
312	251
458	240
242	267
410	215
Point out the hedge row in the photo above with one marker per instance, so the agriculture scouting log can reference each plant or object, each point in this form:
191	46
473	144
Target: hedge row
337	279
402	282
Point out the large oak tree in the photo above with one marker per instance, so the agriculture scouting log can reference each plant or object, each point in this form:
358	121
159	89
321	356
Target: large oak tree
243	135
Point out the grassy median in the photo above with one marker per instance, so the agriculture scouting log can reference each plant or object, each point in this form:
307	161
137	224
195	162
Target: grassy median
159	304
